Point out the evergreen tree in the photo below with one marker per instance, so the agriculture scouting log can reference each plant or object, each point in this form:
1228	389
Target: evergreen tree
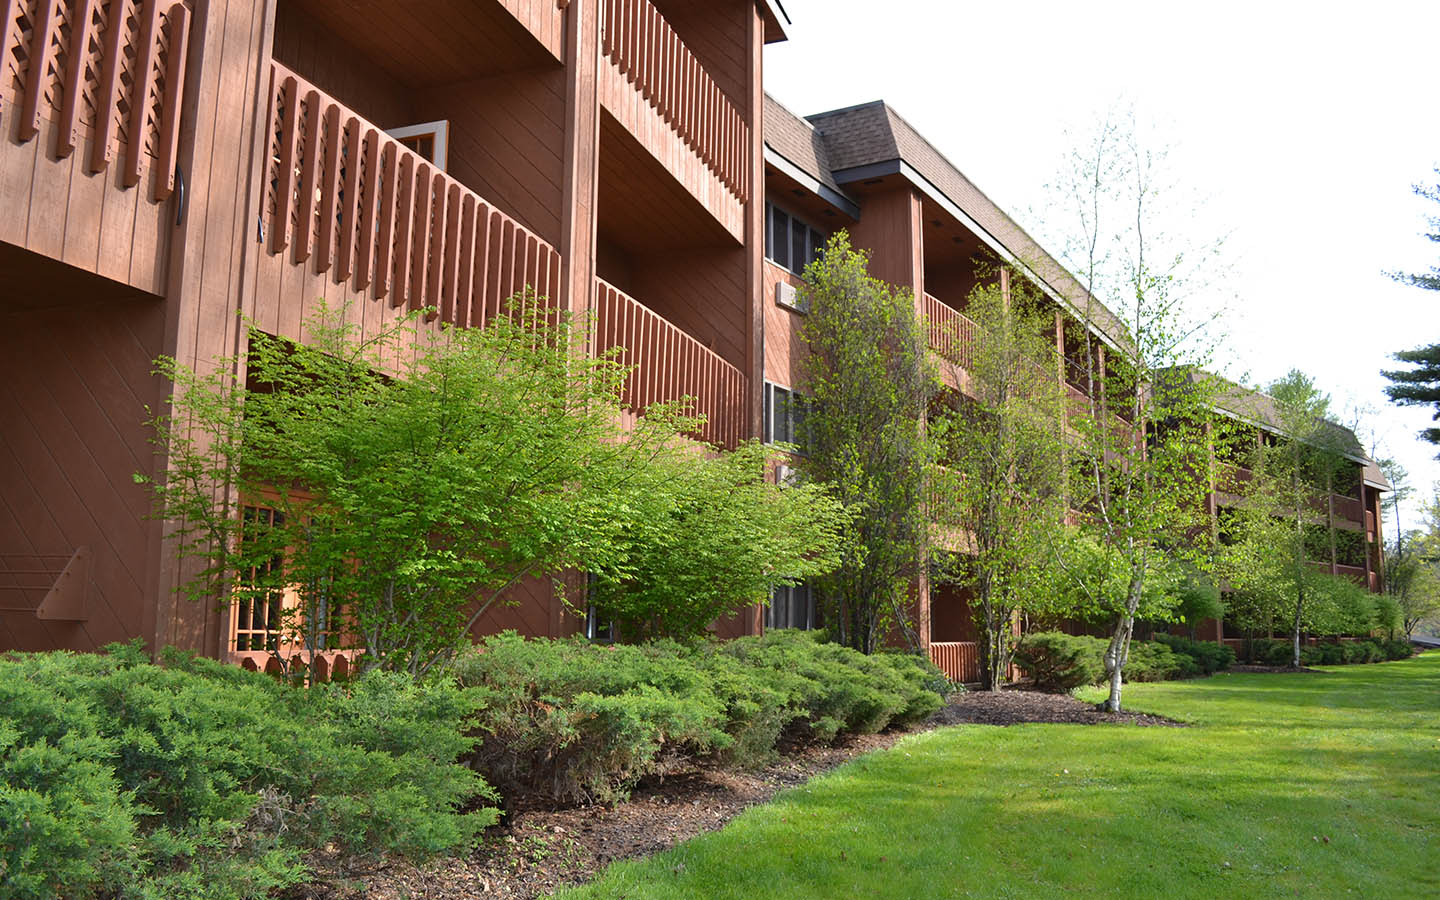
1420	386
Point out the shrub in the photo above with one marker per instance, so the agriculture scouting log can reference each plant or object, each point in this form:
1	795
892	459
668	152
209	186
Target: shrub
1398	649
195	778
1208	656
1059	662
579	721
1153	661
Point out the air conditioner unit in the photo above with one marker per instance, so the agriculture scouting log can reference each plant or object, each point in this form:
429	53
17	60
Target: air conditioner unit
786	475
786	295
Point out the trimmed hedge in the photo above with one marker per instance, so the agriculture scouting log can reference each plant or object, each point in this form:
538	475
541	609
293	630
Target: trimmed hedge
581	722
123	778
1276	652
1059	662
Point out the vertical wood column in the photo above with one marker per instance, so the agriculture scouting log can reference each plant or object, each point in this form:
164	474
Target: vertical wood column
578	223
212	240
754	113
582	155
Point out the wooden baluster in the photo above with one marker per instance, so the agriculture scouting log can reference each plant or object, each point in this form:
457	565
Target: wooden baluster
455	211
385	242
366	224
102	149
285	177
405	204
141	88
175	63
488	265
10	9
505	274
465	259
82	28
426	210
45	19
309	173
349	215
325	249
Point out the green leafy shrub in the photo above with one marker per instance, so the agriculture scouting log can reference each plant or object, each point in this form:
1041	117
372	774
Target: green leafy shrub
194	778
1059	662
1398	649
1154	661
1208	656
579	721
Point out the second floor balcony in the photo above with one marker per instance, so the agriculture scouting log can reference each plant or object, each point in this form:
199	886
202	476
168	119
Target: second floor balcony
91	99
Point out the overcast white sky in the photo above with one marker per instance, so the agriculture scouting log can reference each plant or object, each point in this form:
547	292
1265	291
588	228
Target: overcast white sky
1302	125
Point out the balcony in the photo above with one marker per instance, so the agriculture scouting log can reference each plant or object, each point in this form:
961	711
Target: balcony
91	93
1349	509
659	91
350	214
670	365
951	333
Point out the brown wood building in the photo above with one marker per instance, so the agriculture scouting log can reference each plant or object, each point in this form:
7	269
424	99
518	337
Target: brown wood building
170	168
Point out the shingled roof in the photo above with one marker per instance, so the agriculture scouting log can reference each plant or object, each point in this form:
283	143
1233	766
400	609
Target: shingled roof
859	137
1260	409
798	142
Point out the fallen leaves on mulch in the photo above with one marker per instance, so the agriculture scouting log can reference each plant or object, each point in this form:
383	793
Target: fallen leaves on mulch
537	850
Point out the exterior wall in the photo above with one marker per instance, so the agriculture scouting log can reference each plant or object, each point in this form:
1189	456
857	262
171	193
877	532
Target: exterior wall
785	351
75	383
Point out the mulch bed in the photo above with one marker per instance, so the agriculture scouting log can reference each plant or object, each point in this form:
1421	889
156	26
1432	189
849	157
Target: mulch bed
539	850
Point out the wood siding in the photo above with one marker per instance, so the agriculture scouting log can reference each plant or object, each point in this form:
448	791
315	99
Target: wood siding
91	96
507	142
785	351
74	386
316	53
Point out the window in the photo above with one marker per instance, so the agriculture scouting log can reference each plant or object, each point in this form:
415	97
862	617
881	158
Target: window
257	613
784	416
430	139
267	612
791	243
791	607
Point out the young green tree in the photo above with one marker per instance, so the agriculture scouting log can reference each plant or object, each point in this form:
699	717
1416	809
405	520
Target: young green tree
869	381
1412	571
710	535
1000	485
1141	451
408	481
1280	526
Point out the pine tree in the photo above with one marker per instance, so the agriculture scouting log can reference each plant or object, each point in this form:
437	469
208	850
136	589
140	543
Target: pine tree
1420	386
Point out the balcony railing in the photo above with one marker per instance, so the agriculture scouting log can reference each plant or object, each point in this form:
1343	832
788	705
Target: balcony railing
113	70
1349	509
346	198
959	660
951	333
670	365
651	56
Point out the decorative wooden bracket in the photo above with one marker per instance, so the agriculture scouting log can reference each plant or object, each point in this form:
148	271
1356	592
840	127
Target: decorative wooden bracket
67	599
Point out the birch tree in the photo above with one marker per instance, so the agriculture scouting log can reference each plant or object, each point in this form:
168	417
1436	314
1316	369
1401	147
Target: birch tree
1141	452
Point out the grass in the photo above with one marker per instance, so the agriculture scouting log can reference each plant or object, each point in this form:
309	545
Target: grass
1289	785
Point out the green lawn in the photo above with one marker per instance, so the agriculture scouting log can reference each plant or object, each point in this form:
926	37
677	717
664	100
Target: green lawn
1289	785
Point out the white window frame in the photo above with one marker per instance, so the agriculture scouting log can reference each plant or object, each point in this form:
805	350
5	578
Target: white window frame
439	130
